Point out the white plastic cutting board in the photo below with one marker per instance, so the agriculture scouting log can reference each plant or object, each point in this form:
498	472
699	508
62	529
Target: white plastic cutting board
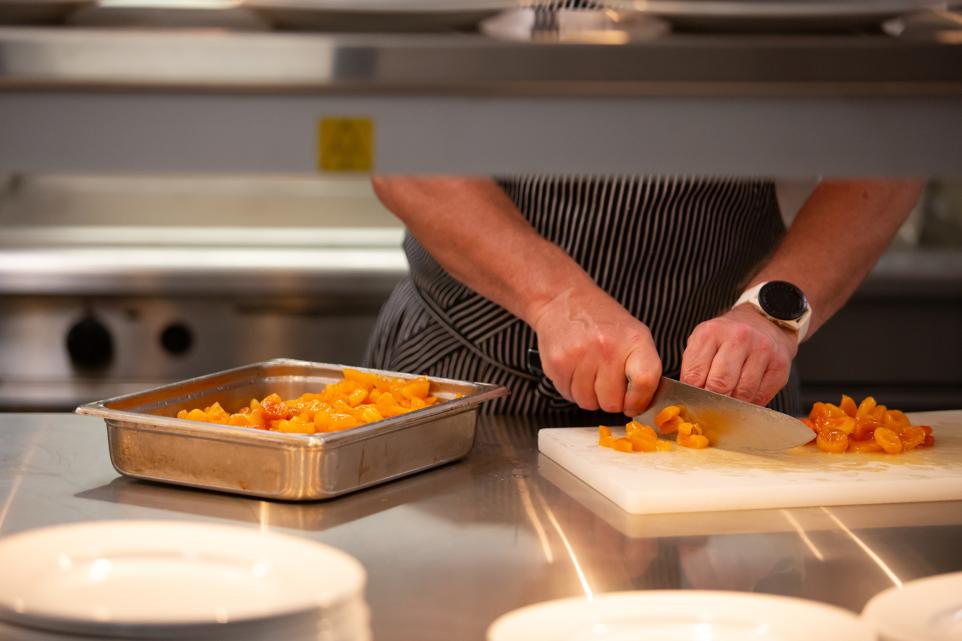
686	480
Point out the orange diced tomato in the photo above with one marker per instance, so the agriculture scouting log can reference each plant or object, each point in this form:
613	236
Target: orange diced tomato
366	379
864	446
866	406
274	408
911	437
889	440
643	438
667	414
418	388
847	405
603	433
868	426
832	441
359	398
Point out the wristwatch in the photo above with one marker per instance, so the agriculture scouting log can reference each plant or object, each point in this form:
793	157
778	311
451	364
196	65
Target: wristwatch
782	303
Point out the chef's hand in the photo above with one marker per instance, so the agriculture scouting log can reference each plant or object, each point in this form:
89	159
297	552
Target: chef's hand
740	354
596	353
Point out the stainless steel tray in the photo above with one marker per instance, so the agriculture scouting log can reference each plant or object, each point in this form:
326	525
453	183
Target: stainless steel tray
147	441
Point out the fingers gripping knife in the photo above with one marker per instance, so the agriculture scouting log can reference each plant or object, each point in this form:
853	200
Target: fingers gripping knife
729	423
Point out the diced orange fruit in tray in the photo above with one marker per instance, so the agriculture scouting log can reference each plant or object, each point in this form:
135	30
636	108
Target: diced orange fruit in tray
358	399
866	427
643	438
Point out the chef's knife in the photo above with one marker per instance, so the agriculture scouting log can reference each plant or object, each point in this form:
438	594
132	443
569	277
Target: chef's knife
730	424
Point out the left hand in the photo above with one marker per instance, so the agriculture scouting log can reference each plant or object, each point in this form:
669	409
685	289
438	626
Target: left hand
741	354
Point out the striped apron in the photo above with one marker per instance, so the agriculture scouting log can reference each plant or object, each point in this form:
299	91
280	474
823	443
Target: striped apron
673	251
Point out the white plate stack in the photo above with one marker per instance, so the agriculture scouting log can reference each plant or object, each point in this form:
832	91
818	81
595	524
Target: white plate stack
170	580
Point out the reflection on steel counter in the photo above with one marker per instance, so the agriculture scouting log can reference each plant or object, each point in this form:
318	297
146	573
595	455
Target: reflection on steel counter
456	547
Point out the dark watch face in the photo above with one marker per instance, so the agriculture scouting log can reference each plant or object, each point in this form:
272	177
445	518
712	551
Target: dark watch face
782	300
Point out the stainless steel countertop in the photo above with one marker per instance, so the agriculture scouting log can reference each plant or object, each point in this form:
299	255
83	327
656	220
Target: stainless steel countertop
449	550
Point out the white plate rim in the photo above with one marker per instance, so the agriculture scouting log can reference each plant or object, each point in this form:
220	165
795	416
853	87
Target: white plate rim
775	10
50	620
856	630
880	609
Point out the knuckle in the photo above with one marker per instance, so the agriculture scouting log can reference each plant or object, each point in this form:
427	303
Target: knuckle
694	372
744	393
719	383
780	365
695	336
764	396
703	329
556	362
649	377
562	360
740	333
588	404
611	406
603	345
766	346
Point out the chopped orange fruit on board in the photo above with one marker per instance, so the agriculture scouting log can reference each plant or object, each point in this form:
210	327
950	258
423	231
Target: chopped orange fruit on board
675	418
637	438
866	427
359	398
643	438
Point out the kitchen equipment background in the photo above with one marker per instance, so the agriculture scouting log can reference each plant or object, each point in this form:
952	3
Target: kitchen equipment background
109	285
31	12
686	480
161	278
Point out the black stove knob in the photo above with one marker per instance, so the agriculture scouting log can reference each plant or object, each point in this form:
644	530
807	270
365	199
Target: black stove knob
177	339
90	344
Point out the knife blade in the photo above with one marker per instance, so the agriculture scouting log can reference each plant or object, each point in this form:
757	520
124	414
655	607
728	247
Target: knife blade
730	424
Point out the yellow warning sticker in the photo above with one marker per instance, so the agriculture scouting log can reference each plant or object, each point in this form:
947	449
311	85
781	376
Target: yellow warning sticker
345	144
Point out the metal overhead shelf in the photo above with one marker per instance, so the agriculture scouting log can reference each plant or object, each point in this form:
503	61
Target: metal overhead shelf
204	101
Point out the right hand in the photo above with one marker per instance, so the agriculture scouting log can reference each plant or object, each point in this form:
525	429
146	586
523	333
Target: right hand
596	353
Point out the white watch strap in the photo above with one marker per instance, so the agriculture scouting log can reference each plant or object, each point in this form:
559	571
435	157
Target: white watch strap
750	295
800	326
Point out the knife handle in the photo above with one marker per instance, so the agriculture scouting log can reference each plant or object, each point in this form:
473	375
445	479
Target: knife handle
534	362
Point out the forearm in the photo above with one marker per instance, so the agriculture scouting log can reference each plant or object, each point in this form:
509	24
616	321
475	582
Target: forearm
477	234
837	237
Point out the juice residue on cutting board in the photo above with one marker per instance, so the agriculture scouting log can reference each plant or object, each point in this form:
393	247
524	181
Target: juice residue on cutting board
804	459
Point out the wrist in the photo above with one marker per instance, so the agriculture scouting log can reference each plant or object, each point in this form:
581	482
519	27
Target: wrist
781	303
551	284
748	313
